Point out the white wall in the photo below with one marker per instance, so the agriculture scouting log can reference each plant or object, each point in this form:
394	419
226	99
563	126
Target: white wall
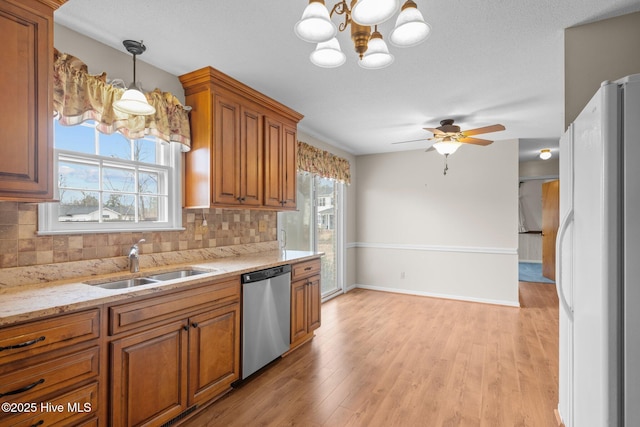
425	233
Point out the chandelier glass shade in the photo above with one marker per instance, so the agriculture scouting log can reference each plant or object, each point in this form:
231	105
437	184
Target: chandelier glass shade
315	26
410	29
328	54
373	12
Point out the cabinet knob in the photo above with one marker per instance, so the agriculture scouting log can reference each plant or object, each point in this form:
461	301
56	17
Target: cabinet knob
185	327
194	325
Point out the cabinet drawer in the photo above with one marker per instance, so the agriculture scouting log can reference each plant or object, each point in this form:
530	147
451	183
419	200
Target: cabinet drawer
20	341
304	269
66	409
46	376
149	311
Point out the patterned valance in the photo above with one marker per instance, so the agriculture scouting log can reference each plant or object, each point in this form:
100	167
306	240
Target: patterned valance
80	96
323	163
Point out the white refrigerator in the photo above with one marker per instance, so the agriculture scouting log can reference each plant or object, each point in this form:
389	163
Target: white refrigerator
598	261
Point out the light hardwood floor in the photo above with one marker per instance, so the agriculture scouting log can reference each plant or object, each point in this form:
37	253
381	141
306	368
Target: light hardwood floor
383	359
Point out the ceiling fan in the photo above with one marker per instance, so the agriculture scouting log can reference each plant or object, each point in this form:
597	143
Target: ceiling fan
449	137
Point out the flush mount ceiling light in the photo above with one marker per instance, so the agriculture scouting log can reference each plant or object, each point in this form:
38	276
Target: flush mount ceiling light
133	100
316	26
545	154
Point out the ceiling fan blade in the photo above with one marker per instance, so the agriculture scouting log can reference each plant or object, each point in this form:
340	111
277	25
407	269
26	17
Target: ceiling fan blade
475	141
435	131
486	129
411	140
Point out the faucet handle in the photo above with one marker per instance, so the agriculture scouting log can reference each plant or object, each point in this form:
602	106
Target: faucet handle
138	242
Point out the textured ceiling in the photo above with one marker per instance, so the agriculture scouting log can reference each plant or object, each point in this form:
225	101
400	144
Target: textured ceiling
486	62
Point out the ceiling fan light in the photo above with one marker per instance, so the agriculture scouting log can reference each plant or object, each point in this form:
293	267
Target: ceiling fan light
410	29
135	103
328	54
377	54
315	25
447	147
373	12
545	154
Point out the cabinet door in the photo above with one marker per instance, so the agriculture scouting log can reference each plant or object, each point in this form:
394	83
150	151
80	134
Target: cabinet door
149	376
214	351
226	153
251	160
289	167
314	303
273	163
26	143
299	314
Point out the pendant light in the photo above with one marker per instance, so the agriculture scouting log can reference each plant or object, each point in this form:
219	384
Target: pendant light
315	26
133	100
410	29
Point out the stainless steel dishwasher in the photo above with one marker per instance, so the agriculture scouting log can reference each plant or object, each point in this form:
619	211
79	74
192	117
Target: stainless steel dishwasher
266	321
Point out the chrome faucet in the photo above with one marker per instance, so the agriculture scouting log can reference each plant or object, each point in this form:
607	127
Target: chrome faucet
134	257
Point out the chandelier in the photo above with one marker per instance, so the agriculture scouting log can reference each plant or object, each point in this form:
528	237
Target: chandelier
316	26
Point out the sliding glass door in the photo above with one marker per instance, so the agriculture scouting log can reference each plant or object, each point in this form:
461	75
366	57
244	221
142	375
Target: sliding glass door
317	226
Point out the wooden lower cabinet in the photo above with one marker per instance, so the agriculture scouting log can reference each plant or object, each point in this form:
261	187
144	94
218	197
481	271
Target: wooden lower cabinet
167	366
305	301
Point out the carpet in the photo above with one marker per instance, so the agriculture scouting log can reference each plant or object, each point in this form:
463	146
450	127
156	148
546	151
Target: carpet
531	272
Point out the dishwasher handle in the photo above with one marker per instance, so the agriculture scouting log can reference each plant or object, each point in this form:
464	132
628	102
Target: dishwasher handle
256	276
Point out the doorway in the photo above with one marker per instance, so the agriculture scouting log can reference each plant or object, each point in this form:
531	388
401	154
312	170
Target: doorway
317	225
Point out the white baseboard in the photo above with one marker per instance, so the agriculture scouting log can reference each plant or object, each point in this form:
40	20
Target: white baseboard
435	295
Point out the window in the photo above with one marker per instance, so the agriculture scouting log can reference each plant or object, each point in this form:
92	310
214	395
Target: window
111	183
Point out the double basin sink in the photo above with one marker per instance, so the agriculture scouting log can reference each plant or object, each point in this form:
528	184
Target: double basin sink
146	280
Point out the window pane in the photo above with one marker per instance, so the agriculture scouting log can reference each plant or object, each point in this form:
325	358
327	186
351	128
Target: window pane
118	207
78	175
148	182
78	206
115	145
119	179
327	233
80	138
148	208
145	150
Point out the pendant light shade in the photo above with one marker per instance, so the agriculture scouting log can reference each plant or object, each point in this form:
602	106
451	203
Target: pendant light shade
377	54
133	101
328	54
373	12
447	146
315	26
410	29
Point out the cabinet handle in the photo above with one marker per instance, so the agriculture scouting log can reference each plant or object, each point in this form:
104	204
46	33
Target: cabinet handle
23	389
185	327
241	199
194	324
39	423
24	344
308	268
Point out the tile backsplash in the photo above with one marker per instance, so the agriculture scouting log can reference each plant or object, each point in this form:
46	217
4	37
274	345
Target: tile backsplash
20	245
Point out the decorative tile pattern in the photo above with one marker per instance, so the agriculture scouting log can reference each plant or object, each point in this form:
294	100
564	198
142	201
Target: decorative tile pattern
20	245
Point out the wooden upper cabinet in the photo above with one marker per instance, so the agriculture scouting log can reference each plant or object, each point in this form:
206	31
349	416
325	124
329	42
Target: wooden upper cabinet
26	103
280	165
231	162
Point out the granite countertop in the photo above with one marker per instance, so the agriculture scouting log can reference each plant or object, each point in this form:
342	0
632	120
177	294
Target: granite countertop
32	301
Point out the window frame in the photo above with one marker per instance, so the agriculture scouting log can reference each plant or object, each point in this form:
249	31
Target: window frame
169	162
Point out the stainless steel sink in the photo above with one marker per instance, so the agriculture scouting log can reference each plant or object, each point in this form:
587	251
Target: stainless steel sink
145	280
180	274
127	283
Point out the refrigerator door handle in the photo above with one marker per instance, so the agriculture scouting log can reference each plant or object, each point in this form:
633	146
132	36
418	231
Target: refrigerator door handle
564	225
